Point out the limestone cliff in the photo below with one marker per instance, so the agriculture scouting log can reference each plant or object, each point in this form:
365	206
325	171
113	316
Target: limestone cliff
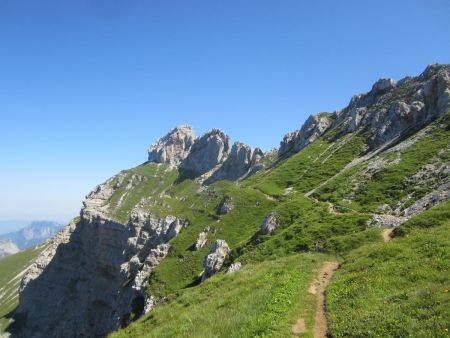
388	111
91	279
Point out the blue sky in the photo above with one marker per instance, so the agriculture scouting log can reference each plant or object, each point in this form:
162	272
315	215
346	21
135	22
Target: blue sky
87	85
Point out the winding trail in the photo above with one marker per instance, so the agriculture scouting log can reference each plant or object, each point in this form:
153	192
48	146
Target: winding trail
317	288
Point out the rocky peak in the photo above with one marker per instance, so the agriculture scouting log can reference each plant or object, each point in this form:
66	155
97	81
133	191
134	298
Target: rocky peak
241	161
173	147
388	110
313	128
207	152
383	85
392	108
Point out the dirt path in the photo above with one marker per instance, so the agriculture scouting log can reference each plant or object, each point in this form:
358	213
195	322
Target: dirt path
387	235
318	288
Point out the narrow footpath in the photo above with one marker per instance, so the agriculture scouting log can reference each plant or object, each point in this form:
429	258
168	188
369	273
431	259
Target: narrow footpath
317	288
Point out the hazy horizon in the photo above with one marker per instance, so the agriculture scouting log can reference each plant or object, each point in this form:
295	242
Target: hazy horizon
12	225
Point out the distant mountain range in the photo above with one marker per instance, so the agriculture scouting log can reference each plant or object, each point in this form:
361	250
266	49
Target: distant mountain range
33	234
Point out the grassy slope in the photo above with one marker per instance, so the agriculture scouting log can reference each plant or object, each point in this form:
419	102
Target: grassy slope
11	271
399	288
262	299
306	225
391	184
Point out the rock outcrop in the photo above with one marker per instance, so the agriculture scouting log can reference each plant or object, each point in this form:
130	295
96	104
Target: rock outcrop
207	152
234	267
201	238
269	224
97	268
440	195
214	261
313	128
386	221
174	147
241	161
392	108
388	111
225	205
207	158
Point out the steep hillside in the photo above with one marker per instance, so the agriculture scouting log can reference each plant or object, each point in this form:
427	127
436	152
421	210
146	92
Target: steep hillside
212	239
12	269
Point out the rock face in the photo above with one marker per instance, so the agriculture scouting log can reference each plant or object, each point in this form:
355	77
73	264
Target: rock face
214	261
269	224
241	161
389	110
393	108
174	147
201	238
386	221
97	268
313	128
440	195
208	151
208	157
225	206
235	267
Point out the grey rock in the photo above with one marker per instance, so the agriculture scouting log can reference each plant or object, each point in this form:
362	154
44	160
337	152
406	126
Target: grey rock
207	152
173	147
388	111
214	260
241	161
235	267
440	195
391	109
314	127
269	224
386	221
225	205
383	85
97	268
201	238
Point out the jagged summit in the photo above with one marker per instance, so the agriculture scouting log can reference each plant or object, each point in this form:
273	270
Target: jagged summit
389	110
173	147
209	157
208	151
313	128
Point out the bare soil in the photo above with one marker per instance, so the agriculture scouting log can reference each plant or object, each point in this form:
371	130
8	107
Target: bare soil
317	288
387	235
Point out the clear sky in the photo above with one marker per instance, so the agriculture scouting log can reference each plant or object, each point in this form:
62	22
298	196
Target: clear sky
87	85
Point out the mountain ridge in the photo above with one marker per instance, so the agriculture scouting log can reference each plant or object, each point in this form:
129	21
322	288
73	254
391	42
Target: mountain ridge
33	234
134	228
